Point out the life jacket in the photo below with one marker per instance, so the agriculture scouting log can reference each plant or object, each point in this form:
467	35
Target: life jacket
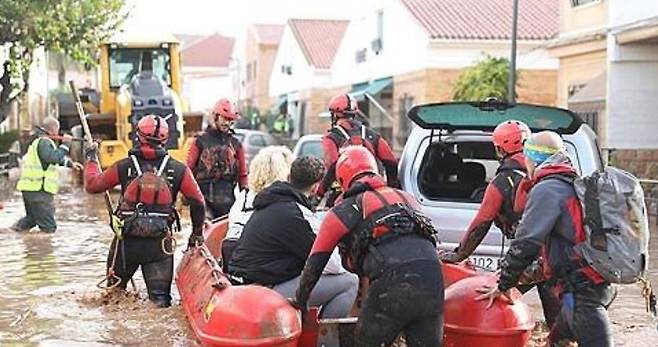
357	135
147	203
507	218
218	159
393	219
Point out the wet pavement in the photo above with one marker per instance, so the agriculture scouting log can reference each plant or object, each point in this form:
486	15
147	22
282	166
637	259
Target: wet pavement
48	293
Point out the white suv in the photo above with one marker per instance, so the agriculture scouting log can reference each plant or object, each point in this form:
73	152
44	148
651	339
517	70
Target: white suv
449	159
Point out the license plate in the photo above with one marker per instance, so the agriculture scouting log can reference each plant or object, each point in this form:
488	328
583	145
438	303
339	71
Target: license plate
487	263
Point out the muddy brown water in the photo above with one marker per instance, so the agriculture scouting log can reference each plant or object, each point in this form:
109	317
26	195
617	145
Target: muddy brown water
48	294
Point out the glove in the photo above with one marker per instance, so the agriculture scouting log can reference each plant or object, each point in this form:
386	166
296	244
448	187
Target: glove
117	226
195	240
450	257
91	151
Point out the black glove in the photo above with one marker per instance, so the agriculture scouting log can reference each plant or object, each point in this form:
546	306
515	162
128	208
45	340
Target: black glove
450	257
195	240
91	151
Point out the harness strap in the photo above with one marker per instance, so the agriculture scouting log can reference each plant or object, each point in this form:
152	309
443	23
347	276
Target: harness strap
136	165
165	160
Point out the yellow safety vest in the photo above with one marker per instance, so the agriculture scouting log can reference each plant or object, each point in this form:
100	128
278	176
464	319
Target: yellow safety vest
33	177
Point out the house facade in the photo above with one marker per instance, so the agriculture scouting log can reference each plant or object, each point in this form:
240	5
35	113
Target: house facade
206	71
262	44
608	74
398	53
301	76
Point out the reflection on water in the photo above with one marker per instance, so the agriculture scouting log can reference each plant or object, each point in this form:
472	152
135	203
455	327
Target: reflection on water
48	295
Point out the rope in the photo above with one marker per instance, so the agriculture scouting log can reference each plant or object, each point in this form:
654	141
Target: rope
111	274
216	271
174	244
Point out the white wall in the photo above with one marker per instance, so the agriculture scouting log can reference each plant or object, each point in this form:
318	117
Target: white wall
303	75
460	54
405	45
632	102
622	12
202	91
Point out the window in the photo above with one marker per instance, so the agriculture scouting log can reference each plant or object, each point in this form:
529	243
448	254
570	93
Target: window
459	171
312	148
126	63
576	3
257	141
378	42
591	118
361	55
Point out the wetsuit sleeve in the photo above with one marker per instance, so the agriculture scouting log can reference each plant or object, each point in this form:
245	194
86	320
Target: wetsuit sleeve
539	219
242	167
479	227
192	155
330	158
521	195
385	154
190	190
49	154
97	181
332	230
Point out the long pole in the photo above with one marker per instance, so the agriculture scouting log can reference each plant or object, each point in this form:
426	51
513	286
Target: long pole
511	87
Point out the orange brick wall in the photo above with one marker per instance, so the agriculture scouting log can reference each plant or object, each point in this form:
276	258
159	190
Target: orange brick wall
317	103
537	87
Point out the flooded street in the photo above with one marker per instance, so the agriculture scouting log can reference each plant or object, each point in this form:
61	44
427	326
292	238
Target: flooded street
48	293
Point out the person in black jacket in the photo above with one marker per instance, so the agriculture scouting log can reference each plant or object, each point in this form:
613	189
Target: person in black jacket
277	239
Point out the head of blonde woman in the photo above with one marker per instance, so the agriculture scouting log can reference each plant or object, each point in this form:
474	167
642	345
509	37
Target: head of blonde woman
271	164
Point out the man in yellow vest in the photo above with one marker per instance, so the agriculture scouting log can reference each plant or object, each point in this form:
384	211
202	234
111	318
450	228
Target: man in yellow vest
39	180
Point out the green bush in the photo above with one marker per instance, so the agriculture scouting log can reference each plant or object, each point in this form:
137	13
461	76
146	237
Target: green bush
7	139
488	78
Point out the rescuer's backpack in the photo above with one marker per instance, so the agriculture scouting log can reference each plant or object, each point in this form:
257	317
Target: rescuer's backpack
147	204
616	225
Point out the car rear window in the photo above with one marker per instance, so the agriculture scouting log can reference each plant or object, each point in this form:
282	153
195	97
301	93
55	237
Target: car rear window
460	171
313	148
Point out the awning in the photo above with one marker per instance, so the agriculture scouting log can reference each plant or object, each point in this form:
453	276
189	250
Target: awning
374	88
591	96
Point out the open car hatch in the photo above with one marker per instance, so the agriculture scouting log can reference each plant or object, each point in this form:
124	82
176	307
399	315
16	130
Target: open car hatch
486	115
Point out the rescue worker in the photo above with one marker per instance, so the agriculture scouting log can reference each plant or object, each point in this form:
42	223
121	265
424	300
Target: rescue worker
552	223
150	181
498	204
384	238
217	160
39	181
345	131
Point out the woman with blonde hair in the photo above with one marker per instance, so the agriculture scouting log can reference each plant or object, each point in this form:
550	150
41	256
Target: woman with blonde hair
271	164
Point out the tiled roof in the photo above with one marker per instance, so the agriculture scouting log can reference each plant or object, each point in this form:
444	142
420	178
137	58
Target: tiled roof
210	51
319	39
486	19
187	39
268	34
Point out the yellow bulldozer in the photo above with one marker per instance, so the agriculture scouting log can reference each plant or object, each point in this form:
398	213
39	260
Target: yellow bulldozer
137	77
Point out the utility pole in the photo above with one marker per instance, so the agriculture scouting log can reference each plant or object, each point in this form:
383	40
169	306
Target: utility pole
511	87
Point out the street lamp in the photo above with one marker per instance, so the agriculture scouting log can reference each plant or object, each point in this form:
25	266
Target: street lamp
511	87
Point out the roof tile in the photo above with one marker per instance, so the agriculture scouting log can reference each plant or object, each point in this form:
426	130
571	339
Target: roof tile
319	39
211	51
485	19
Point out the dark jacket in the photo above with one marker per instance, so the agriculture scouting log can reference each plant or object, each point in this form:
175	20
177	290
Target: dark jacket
277	238
216	155
497	205
552	221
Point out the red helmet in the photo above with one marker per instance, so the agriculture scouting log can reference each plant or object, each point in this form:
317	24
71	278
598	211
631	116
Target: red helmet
509	135
354	161
225	109
343	105
152	130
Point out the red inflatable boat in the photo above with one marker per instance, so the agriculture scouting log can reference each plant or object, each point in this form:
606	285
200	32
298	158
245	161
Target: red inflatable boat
252	316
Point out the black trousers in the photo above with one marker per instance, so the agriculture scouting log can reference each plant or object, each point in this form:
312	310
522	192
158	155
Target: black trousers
219	196
406	299
228	246
157	266
39	211
584	318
